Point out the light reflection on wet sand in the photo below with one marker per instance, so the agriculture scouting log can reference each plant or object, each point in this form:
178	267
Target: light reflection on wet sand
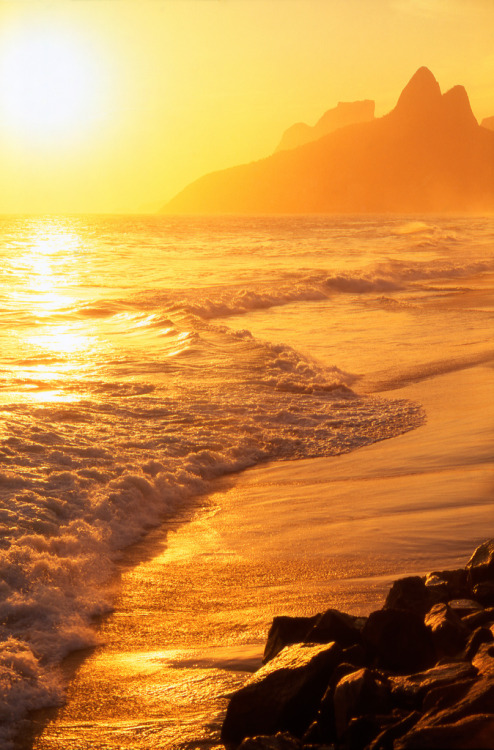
289	538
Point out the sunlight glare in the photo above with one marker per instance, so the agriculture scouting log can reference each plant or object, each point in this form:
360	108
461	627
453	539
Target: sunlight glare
48	85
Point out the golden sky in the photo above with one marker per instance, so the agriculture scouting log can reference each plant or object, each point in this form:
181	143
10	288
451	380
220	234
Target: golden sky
115	105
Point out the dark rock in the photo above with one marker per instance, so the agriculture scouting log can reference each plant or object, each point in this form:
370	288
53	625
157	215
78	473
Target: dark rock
385	739
483	660
480	567
355	655
442	696
361	731
464	607
476	639
280	741
283	695
480	617
285	631
411	594
325	718
335	626
477	699
472	732
400	640
449	633
448	584
410	690
360	693
484	592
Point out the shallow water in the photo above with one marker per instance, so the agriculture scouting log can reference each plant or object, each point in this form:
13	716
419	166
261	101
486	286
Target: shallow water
144	358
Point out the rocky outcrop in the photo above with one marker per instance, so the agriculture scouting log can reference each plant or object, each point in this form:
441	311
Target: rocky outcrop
428	154
345	113
418	673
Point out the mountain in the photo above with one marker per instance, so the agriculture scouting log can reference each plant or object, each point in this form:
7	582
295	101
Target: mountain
345	113
488	122
428	155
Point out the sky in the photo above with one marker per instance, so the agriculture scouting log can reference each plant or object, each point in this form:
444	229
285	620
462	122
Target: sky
114	106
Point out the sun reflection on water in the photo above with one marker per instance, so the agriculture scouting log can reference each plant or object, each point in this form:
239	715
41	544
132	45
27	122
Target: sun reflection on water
46	286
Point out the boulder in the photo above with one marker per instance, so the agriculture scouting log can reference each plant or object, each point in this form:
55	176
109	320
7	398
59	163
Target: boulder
399	640
336	626
474	698
480	567
472	732
477	638
483	661
283	696
285	631
411	594
401	725
479	617
442	696
483	592
361	693
409	691
448	584
280	741
464	607
449	633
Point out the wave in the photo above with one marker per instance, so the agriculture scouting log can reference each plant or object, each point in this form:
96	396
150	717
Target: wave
82	480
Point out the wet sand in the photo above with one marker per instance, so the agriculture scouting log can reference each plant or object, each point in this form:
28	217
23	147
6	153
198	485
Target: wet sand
286	538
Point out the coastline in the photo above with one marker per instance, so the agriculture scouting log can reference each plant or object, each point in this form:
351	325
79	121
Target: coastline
287	538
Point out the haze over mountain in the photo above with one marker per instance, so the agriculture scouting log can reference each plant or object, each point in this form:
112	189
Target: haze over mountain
428	154
345	113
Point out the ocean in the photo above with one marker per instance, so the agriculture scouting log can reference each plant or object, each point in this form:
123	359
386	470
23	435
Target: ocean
146	358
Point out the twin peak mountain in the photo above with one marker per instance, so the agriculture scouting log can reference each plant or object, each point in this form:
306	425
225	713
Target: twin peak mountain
428	155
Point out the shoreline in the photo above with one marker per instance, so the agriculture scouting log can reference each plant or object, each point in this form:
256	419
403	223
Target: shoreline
242	560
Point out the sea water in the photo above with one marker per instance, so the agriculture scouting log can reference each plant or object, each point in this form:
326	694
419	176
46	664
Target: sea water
144	357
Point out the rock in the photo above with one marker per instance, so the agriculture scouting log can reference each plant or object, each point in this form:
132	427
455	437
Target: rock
399	640
411	594
479	617
448	584
449	633
325	717
484	592
480	567
476	639
484	660
361	731
355	655
386	738
285	631
360	693
472	732
283	695
478	698
336	626
280	741
410	690
464	607
442	696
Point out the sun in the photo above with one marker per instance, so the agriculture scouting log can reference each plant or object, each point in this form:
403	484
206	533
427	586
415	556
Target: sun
48	85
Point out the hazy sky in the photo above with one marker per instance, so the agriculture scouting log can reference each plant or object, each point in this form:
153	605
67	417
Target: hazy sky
115	105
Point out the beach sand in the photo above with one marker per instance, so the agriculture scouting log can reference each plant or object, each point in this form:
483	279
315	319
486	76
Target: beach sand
295	538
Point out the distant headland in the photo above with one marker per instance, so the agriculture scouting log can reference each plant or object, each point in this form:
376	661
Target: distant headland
428	155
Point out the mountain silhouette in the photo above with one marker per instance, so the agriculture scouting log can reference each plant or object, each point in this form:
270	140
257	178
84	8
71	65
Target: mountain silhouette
488	122
345	113
428	155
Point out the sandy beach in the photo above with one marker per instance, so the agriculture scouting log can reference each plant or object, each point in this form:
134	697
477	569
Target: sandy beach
286	538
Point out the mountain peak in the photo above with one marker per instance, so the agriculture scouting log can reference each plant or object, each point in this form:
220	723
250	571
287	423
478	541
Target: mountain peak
456	105
421	93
